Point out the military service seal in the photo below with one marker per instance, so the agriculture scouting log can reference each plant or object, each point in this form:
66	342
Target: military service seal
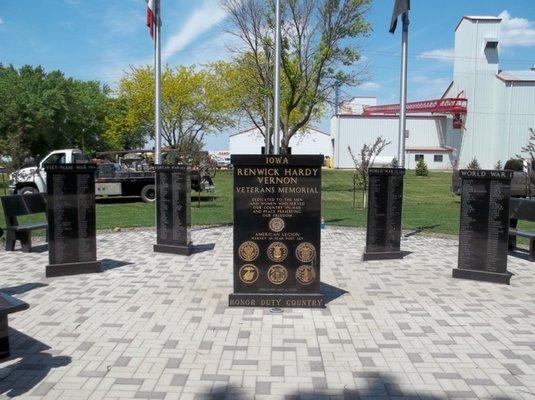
248	251
277	274
305	274
248	274
277	251
305	252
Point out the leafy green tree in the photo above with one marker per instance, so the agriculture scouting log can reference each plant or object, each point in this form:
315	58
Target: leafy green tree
193	105
41	111
319	52
121	132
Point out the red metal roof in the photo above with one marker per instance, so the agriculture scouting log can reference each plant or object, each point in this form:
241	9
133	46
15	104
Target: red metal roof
452	105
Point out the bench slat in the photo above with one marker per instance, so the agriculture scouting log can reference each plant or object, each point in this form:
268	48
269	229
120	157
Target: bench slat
30	226
520	232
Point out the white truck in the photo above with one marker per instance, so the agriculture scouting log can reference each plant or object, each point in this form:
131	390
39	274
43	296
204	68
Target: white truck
33	179
112	179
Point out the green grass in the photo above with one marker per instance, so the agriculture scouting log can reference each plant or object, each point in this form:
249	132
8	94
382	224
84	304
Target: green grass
428	205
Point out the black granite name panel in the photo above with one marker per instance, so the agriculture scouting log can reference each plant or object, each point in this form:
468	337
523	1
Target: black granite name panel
173	213
484	225
277	215
71	219
385	203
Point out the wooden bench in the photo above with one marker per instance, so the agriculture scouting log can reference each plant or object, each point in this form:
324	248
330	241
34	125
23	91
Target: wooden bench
18	205
523	210
8	305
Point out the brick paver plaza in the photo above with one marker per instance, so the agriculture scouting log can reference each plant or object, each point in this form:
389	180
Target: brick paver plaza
156	326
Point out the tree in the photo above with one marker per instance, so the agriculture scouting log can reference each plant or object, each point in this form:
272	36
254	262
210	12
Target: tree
122	133
498	165
474	164
421	168
318	44
193	105
367	156
42	111
530	146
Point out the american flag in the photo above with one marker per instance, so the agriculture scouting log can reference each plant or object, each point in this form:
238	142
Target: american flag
151	16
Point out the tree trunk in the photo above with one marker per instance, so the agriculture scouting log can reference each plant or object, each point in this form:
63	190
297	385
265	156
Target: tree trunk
285	143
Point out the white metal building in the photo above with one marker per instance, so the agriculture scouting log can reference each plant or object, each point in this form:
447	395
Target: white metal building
500	110
311	141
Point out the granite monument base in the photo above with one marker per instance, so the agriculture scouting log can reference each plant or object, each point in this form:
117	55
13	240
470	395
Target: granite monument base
483	276
88	267
277	300
171	249
391	255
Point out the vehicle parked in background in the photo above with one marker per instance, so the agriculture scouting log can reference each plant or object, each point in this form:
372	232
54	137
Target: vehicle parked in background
222	162
130	174
221	158
522	184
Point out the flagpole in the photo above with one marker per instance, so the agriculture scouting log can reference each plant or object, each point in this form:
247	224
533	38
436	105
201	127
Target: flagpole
158	85
267	127
403	90
276	117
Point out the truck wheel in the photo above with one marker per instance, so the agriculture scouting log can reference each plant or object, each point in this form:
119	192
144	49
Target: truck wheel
27	190
148	194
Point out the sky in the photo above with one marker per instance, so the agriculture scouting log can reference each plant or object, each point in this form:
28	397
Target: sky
100	39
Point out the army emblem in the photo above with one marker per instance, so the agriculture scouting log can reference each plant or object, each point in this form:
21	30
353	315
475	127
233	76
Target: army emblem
277	251
248	274
248	251
277	274
305	252
276	224
305	274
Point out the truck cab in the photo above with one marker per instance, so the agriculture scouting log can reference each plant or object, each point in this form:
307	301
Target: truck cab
33	179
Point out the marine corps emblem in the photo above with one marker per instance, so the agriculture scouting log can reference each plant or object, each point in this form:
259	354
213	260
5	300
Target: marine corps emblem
277	274
276	224
305	274
248	251
305	252
277	251
248	274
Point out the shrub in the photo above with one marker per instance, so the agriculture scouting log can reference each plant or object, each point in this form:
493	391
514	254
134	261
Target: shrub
394	163
421	168
498	165
514	164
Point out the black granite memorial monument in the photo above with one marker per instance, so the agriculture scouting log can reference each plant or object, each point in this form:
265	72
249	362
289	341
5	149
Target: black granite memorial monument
385	203
173	213
277	213
71	217
484	225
